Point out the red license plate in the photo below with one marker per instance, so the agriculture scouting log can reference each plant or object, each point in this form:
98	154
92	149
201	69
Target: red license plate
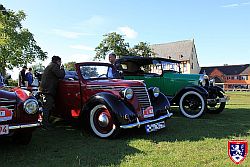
4	129
148	112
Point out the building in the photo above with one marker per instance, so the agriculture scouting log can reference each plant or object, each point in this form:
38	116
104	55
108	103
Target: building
183	51
231	77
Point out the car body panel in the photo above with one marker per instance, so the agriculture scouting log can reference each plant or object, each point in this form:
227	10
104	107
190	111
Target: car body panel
77	96
12	100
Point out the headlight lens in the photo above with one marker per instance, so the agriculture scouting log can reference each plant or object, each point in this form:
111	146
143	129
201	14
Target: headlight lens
30	106
203	80
127	93
156	91
211	82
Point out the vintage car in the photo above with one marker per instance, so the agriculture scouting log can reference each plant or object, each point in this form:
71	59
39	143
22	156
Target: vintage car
18	114
106	105
194	93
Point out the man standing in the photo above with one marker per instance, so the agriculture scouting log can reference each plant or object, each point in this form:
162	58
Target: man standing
117	73
29	77
22	77
50	78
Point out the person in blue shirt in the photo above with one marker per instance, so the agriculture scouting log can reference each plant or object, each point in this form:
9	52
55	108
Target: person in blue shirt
29	77
117	72
1	80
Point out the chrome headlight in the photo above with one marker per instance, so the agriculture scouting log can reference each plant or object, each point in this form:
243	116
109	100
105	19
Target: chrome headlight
211	82
127	93
30	106
203	80
156	91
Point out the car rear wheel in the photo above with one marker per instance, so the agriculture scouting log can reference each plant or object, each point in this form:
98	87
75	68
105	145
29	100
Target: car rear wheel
192	104
102	122
216	108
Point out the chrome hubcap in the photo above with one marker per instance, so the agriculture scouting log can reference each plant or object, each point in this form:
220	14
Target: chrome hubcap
103	120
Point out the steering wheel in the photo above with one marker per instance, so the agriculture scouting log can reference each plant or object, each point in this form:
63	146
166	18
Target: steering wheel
102	75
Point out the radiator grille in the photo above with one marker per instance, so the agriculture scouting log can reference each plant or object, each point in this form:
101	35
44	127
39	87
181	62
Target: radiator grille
143	97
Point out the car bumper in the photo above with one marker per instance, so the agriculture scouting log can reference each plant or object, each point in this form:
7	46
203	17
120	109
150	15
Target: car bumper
138	123
22	126
218	100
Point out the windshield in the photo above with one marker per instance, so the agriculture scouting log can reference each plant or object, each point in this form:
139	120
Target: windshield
97	71
170	66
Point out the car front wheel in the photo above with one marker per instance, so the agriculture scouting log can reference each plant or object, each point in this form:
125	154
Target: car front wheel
102	122
192	104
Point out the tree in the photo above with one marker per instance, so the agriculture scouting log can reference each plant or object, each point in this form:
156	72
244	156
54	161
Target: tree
38	67
70	66
111	42
142	49
18	47
114	42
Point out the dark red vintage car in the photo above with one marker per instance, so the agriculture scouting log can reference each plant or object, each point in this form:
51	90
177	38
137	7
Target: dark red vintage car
106	105
18	114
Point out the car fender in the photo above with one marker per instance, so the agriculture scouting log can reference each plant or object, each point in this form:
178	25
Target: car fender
216	88
160	103
196	88
117	107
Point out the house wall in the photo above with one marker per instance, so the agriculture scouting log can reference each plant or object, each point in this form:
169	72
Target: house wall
194	65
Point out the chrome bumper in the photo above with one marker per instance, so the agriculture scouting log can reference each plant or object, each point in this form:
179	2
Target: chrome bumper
138	123
218	100
24	126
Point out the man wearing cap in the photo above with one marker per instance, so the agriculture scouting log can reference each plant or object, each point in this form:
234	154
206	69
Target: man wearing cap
21	77
50	78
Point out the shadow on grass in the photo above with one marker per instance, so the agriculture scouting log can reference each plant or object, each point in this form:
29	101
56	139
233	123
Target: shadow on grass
228	124
66	146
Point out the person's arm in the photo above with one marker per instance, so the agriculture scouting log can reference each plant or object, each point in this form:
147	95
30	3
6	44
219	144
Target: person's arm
60	73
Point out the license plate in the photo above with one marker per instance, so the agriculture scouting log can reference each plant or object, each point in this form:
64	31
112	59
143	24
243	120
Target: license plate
148	112
155	126
4	129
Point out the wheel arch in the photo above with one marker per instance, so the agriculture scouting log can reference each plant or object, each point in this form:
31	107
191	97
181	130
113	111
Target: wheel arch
116	106
195	88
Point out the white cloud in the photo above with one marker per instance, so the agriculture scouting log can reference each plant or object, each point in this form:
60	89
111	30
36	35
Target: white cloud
69	34
234	5
94	21
231	5
82	47
245	3
128	32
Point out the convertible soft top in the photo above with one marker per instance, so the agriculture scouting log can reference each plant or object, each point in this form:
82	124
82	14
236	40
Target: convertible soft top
143	60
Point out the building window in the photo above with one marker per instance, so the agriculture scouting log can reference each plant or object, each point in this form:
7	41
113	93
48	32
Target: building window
185	67
192	66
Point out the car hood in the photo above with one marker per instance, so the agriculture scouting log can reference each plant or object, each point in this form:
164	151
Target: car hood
12	95
193	77
116	82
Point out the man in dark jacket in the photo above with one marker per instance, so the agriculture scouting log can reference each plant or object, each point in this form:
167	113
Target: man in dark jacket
117	72
21	77
49	83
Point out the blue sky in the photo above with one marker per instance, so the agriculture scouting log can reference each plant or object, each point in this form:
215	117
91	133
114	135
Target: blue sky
72	29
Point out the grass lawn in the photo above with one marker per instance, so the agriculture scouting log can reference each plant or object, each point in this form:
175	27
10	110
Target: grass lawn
184	142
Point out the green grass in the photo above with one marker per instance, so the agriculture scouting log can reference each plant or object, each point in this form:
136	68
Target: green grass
184	142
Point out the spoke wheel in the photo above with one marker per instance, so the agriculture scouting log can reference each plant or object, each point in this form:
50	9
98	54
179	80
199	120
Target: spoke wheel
192	104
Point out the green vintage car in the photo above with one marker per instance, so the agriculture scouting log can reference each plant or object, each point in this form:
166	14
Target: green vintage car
195	94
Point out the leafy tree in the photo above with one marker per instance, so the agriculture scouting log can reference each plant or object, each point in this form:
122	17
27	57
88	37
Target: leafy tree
18	46
70	66
111	42
142	49
38	67
114	42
